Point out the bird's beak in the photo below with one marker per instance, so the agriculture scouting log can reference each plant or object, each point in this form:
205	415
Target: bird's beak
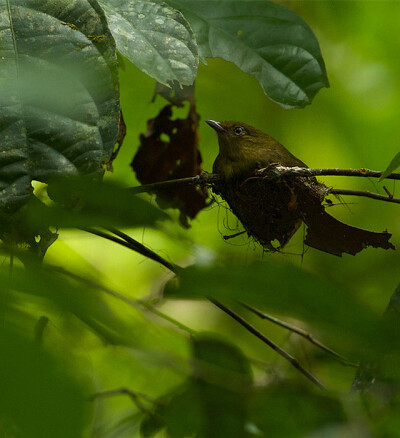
216	125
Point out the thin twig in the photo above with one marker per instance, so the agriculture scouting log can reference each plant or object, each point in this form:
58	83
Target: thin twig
267	341
134	303
231	236
144	250
134	396
388	192
305	171
171	320
364	193
135	246
300	332
201	180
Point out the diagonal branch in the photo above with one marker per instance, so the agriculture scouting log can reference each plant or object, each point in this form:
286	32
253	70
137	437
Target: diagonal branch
267	341
127	241
300	332
134	245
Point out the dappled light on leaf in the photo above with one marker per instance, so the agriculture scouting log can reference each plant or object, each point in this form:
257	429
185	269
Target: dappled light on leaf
83	202
263	39
154	37
59	97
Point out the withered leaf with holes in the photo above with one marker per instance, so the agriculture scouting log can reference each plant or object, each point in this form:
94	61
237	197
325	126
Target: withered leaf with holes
273	209
176	156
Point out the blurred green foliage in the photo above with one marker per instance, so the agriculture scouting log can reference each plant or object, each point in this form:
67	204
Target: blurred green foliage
100	336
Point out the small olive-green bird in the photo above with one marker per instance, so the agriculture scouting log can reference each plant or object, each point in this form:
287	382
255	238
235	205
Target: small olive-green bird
268	212
243	149
274	210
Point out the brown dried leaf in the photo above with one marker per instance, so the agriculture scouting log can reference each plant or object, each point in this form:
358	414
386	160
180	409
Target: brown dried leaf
159	159
330	235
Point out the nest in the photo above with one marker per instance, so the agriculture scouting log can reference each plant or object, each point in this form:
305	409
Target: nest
272	209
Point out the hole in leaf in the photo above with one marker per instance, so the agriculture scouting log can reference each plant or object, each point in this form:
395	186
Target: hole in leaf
165	138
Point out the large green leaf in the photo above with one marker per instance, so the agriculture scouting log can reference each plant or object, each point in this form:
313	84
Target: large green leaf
59	98
154	37
40	398
291	411
82	203
52	288
223	382
287	289
214	400
264	39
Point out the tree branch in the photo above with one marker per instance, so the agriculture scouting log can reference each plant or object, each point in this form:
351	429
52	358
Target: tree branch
133	244
300	332
267	341
272	171
364	193
201	180
305	171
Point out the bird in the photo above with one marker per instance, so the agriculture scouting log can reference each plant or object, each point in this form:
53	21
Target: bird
243	149
272	210
268	211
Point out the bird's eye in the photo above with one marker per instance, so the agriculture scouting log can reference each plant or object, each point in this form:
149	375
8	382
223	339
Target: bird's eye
238	130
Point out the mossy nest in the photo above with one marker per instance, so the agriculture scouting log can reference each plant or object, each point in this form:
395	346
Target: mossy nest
272	208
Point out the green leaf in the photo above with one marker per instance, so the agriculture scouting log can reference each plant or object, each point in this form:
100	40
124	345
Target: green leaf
214	400
39	397
219	355
291	410
80	299
263	39
154	37
394	164
59	95
223	381
286	289
377	376
82	203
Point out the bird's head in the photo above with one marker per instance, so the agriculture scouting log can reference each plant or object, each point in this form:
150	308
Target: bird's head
235	137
